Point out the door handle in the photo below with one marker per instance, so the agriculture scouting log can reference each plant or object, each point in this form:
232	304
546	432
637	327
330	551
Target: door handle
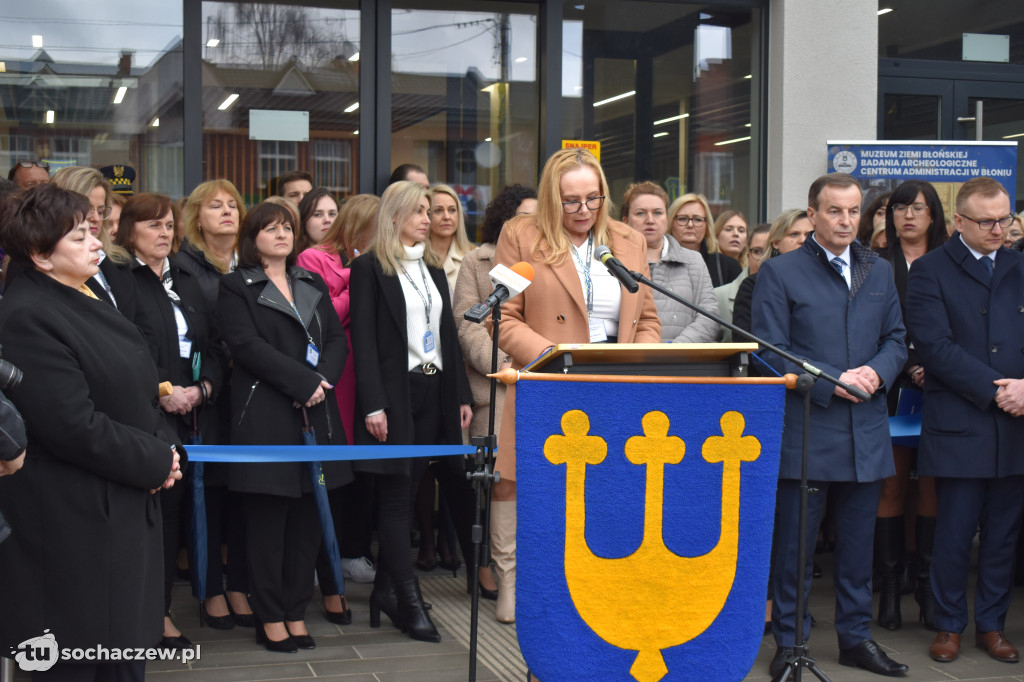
966	119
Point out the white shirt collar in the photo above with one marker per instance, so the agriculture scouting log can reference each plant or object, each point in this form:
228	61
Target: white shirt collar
845	255
977	254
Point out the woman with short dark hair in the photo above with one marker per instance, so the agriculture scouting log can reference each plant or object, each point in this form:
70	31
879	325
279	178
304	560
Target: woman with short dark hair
288	350
83	560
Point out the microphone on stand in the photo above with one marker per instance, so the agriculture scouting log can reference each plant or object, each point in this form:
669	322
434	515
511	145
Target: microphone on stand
508	282
615	266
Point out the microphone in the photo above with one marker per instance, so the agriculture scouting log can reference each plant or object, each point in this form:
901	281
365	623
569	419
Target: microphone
615	266
508	283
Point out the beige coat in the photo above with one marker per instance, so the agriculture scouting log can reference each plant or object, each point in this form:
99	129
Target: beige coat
553	310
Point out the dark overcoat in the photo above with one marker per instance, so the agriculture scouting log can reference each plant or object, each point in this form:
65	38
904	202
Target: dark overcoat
162	334
381	345
85	556
268	345
802	304
122	292
968	331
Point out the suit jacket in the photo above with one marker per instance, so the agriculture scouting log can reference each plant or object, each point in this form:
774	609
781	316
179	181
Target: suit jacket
268	345
802	304
122	286
553	309
968	331
336	276
85	555
380	341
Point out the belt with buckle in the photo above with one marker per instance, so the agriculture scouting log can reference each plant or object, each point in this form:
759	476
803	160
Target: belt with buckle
427	368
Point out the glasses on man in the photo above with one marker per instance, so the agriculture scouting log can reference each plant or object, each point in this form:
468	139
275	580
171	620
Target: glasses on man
593	203
34	164
103	212
695	220
916	209
987	225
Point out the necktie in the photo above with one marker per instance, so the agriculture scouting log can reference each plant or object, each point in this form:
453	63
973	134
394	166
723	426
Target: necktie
990	265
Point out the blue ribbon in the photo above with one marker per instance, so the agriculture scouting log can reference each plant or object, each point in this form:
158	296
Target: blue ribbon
323	453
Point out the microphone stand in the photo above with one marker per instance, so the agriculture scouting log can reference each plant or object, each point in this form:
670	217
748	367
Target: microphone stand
805	382
482	477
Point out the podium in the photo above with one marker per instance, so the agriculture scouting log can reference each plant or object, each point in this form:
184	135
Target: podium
645	511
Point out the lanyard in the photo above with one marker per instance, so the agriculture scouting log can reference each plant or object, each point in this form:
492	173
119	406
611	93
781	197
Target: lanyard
428	301
585	266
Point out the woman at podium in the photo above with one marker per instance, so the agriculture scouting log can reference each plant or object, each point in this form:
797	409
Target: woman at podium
573	298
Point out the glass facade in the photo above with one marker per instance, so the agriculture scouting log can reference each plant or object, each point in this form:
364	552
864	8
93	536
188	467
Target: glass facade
934	31
666	90
94	85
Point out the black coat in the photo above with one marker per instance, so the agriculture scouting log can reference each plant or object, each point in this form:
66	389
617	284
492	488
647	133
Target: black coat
206	275
85	559
162	333
381	346
122	286
268	345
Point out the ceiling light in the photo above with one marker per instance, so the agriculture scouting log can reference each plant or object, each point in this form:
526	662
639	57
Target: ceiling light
662	134
213	42
37	41
487	139
356	132
748	76
228	102
155	123
884	10
734	141
49	116
352	107
1008	137
671	118
520	60
615	98
3	67
746	125
119	95
354	58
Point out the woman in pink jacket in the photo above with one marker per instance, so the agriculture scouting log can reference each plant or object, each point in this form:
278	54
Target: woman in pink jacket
351	504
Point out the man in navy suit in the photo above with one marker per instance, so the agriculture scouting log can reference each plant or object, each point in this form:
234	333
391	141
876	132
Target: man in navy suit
965	310
834	303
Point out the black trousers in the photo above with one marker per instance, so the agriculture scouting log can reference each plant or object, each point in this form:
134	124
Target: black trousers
225	524
172	506
282	536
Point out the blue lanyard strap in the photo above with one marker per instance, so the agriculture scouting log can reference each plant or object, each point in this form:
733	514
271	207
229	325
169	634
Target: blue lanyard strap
585	266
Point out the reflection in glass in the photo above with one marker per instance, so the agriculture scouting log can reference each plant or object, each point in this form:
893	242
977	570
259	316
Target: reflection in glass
280	58
936	29
911	117
1003	120
464	102
94	84
666	90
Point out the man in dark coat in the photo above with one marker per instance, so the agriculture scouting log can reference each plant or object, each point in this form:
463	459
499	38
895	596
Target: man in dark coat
834	303
965	310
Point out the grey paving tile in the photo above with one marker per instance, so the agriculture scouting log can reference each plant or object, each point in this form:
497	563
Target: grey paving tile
422	664
253	673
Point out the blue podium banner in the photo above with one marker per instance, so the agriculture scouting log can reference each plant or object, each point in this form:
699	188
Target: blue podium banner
645	518
936	162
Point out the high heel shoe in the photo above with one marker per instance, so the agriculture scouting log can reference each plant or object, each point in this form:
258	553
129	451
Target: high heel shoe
215	622
490	595
284	646
178	643
343	617
452	564
301	641
242	620
412	615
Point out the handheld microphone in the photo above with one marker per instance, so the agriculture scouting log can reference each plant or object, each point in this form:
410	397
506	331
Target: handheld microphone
615	266
508	283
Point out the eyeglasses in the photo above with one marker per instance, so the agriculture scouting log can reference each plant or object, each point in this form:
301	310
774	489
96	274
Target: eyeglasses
593	203
38	164
916	209
694	220
987	225
102	213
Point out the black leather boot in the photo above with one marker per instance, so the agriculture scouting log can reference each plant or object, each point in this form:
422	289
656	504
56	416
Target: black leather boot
383	598
923	595
888	557
413	616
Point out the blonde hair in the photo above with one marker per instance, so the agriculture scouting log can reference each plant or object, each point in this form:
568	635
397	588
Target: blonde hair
779	229
399	202
84	180
194	232
709	241
461	241
356	217
551	232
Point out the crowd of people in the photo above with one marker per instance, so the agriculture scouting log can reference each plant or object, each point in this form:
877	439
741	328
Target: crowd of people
143	324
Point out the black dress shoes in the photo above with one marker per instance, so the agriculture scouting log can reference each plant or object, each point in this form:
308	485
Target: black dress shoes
782	654
869	656
178	643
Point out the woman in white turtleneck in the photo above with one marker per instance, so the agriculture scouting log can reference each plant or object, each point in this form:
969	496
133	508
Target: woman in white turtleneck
411	385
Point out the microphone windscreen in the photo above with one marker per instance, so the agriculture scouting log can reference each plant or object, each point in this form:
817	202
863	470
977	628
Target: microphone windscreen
523	269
